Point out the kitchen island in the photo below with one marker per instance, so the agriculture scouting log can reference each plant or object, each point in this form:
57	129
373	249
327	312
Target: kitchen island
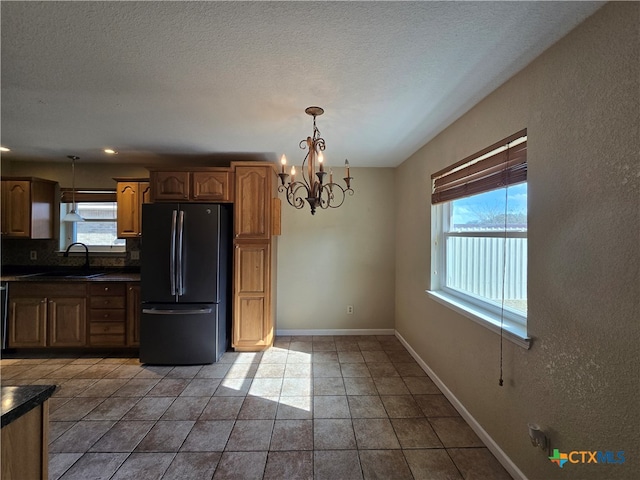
25	427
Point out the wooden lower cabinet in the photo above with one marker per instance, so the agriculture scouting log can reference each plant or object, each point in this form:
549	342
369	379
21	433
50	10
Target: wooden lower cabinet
252	325
67	322
134	310
107	314
25	446
54	317
74	314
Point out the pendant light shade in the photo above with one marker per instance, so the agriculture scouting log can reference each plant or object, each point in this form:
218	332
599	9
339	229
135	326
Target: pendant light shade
73	216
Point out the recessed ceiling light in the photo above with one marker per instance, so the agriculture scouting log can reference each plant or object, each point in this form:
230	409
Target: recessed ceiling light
4	149
110	151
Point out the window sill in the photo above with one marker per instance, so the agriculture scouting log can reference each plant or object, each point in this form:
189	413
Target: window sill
513	332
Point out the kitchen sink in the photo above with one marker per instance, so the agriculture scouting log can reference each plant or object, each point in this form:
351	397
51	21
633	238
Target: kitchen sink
67	274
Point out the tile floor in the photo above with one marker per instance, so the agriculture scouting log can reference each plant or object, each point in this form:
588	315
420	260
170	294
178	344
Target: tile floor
334	408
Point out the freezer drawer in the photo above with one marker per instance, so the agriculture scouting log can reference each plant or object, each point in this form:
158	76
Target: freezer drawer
179	334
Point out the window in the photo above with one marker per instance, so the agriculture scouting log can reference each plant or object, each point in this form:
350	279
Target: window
479	251
99	229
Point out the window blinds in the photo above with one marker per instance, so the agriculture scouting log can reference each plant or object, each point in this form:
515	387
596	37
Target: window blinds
499	165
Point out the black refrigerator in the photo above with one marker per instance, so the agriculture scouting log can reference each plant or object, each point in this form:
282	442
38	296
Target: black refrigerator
185	283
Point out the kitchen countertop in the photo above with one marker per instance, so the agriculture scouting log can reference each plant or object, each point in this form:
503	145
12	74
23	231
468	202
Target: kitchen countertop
18	400
31	275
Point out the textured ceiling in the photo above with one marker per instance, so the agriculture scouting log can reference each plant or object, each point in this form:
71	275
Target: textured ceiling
165	80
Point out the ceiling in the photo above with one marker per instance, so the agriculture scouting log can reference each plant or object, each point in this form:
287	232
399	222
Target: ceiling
200	81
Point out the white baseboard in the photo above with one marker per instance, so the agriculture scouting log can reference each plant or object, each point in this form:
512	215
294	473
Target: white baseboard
464	413
339	331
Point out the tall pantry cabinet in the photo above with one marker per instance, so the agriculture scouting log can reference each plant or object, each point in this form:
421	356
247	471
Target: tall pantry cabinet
256	224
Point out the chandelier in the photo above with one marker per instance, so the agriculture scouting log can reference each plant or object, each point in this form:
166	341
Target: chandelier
312	187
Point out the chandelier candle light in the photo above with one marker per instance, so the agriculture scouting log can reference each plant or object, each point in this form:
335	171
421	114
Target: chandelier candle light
312	187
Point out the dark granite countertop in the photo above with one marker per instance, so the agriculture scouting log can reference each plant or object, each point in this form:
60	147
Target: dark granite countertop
33	274
18	400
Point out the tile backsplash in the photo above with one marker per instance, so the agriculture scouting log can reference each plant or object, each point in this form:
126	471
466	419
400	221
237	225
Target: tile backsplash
18	252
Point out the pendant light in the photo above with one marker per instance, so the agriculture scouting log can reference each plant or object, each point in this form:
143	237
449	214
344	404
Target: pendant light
73	216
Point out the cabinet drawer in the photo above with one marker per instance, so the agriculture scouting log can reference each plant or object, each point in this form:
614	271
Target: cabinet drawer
106	302
107	289
107	314
106	328
107	340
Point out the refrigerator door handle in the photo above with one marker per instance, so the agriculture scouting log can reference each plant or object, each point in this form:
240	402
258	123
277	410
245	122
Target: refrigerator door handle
179	263
156	311
172	255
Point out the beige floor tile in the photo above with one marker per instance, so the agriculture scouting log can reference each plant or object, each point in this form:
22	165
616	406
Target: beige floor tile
297	465
435	405
366	406
401	406
208	436
60	463
149	408
478	463
421	385
331	406
250	435
241	466
360	386
185	408
80	437
295	408
192	466
391	386
415	433
165	436
336	464
258	408
375	434
124	436
222	408
387	464
96	466
431	464
454	432
333	434
144	466
292	435
328	386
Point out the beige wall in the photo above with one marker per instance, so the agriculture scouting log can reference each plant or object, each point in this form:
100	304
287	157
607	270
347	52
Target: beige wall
580	380
88	175
340	257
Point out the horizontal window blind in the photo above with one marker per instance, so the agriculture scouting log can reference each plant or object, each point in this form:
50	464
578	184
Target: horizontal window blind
85	195
501	164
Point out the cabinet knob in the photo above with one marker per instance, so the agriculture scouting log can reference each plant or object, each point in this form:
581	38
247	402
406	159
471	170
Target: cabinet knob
106	289
106	315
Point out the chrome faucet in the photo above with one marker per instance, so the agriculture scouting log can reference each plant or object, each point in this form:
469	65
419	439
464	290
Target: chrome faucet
86	257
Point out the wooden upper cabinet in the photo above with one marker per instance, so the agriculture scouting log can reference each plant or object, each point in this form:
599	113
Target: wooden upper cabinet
253	202
205	184
28	207
212	186
169	186
130	196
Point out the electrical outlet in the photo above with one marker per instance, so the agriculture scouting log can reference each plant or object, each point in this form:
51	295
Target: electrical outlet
349	309
135	254
33	255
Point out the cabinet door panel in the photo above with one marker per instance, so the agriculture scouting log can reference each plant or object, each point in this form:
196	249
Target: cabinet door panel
27	322
252	319
253	202
128	209
251	330
18	208
67	322
170	186
211	186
